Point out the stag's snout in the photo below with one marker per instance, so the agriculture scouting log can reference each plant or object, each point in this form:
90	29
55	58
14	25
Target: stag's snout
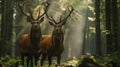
35	26
57	30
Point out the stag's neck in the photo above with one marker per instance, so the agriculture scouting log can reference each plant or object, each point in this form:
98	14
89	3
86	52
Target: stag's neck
35	36
57	40
35	33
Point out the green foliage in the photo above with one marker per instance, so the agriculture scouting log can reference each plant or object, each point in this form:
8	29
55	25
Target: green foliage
100	60
110	57
91	19
92	9
114	57
73	62
8	61
19	0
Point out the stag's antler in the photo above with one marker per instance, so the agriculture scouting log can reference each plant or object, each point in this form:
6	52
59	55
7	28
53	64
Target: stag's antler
51	19
29	15
64	20
46	5
61	22
21	6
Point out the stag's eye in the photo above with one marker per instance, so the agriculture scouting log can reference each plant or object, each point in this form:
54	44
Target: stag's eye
37	22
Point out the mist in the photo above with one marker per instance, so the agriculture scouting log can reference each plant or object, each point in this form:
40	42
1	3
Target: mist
73	29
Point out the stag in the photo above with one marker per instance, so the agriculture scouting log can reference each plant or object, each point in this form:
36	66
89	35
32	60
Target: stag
52	45
29	43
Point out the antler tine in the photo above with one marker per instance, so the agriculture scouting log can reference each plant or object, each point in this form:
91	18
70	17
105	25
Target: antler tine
39	17
71	8
21	6
60	19
45	9
64	20
69	13
53	20
31	12
48	17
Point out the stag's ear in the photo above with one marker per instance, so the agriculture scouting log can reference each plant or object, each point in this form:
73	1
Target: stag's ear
63	23
51	23
42	19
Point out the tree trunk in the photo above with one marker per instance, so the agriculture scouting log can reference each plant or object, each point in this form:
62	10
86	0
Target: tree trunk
115	25
6	26
119	26
109	42
98	31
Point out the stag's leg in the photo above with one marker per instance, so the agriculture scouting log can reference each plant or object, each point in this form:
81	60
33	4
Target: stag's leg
49	60
58	59
43	58
28	60
22	58
31	59
36	58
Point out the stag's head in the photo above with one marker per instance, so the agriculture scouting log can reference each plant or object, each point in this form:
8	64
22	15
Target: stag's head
58	25
34	22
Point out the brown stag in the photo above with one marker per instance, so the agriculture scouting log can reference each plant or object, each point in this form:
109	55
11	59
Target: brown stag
29	43
53	45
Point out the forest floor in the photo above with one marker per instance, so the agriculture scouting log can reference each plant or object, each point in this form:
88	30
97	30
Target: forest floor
7	61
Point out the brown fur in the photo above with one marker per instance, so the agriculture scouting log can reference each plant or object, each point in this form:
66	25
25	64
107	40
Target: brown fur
46	44
25	45
47	48
29	50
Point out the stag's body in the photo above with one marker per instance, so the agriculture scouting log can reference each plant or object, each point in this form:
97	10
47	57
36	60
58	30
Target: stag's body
29	46
53	45
29	43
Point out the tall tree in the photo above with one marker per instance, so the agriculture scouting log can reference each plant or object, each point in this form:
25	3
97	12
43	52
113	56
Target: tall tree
119	23
115	24
97	26
109	43
0	26
6	26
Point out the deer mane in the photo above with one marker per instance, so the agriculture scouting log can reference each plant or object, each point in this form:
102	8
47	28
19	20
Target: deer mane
35	36
57	39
